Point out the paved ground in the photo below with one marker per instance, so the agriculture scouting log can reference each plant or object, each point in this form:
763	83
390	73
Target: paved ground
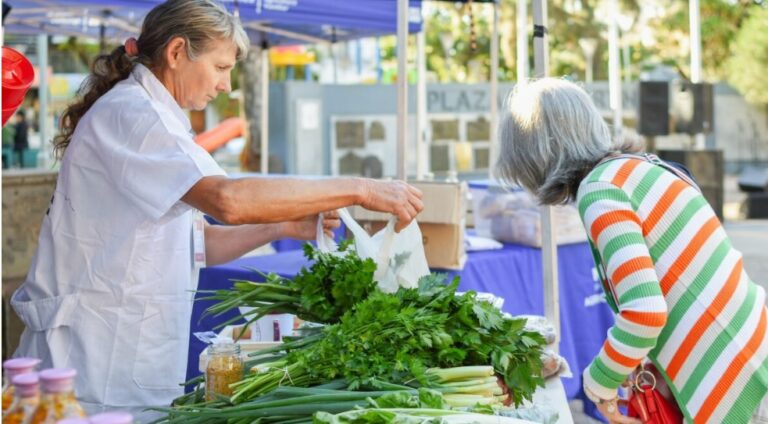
748	236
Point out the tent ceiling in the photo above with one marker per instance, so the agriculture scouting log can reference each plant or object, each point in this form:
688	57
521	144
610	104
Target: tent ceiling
282	22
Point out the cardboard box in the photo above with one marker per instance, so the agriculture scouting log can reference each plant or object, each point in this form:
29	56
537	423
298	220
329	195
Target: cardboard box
442	222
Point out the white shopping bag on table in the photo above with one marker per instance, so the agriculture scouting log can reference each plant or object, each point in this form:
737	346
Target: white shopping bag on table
399	257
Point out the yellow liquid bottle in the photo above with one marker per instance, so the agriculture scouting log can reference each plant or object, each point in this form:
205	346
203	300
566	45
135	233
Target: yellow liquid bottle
12	368
225	366
25	402
58	399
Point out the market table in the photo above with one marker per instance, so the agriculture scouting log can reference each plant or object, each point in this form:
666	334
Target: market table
513	272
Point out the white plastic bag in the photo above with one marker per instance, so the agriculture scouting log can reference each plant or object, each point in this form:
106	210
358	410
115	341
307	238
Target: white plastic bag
399	257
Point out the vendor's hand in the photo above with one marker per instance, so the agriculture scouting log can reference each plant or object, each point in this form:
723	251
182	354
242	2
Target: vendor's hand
306	228
395	197
611	412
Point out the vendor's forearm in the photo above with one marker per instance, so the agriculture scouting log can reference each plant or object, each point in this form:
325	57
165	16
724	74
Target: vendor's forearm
267	200
227	243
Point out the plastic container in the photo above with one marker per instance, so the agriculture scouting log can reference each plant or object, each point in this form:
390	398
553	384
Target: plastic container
12	368
514	216
26	401
117	417
17	77
225	366
265	330
58	399
490	199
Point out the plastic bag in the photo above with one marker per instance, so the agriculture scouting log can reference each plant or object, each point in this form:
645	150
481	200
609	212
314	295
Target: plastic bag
399	257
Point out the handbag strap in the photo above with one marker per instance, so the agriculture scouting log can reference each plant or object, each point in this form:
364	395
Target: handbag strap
653	159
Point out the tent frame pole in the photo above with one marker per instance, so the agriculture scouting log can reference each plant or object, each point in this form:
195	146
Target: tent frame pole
494	92
548	228
402	86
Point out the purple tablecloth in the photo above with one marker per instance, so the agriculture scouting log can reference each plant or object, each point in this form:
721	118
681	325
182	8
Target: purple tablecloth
514	273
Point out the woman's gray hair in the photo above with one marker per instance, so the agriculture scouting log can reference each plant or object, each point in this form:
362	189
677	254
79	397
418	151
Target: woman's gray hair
551	136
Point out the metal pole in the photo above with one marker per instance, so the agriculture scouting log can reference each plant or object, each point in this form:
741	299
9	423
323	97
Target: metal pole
494	92
42	89
548	229
625	53
695	34
522	40
540	46
614	77
695	30
264	110
588	46
402	85
422	163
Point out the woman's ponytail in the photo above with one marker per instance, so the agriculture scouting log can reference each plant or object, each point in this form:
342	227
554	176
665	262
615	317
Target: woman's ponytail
107	70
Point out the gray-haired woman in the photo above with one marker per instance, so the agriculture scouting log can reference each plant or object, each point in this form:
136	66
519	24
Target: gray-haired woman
678	288
109	290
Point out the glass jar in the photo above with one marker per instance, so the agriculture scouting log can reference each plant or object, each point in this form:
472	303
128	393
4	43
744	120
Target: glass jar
58	399
112	418
12	368
225	367
27	398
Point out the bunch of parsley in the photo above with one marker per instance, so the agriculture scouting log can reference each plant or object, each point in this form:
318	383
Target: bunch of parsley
395	338
322	293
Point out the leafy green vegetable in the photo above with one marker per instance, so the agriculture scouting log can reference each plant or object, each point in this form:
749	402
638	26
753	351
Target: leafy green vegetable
397	337
331	286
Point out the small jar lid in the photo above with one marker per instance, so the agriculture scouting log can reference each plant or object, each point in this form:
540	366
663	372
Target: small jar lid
57	380
27	384
116	417
225	346
17	366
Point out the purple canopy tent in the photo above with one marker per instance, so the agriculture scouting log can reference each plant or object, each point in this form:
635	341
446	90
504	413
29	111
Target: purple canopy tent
280	22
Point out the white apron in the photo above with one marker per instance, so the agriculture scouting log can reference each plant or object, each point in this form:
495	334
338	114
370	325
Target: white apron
109	289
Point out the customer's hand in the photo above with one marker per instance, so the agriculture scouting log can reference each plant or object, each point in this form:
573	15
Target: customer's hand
395	197
306	228
611	412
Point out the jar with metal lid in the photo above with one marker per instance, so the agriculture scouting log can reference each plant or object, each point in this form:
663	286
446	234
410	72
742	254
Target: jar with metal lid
225	367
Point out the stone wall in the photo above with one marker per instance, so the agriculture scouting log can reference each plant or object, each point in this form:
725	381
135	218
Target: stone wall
26	196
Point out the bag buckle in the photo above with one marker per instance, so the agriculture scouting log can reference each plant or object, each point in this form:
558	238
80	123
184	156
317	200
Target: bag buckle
644	377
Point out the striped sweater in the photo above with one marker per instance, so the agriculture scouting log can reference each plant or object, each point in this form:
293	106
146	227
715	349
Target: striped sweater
683	298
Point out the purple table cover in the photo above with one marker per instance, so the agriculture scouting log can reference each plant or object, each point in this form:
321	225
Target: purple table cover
514	273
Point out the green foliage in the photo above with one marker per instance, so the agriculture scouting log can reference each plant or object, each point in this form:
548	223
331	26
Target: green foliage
396	337
661	39
334	283
720	23
750	57
322	293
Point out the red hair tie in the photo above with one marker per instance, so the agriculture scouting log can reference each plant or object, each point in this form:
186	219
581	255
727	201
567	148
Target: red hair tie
131	47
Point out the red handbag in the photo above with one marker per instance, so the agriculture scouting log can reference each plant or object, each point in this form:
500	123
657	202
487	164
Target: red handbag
647	402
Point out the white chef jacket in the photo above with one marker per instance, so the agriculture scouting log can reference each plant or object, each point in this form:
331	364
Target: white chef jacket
109	289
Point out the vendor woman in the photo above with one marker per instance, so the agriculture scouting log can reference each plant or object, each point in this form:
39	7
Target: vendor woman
109	290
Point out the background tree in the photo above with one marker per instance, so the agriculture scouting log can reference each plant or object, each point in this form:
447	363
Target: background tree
720	23
746	68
